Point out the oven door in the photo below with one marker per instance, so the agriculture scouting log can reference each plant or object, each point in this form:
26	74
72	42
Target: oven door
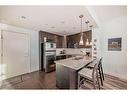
50	65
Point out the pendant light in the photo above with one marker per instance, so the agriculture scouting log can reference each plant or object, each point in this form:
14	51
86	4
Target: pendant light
91	43
87	41
91	30
81	38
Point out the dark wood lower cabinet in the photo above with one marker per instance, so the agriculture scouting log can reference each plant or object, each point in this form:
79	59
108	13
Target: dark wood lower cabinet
60	57
66	78
62	77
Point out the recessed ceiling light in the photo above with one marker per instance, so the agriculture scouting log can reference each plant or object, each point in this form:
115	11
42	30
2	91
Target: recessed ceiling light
63	22
52	27
46	24
23	17
81	16
87	21
64	31
74	27
91	26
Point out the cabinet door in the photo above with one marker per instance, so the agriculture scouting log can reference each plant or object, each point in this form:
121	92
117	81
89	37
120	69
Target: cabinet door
62	77
59	42
50	37
42	35
60	57
73	39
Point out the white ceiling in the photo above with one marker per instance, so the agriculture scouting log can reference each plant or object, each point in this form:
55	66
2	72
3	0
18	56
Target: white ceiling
107	13
63	20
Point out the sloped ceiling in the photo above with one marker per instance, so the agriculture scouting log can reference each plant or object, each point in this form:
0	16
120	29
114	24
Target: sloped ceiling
107	13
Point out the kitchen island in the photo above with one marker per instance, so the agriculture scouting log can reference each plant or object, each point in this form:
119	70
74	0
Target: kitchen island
67	71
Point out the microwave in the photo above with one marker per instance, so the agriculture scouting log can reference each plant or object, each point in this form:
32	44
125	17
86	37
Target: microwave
50	45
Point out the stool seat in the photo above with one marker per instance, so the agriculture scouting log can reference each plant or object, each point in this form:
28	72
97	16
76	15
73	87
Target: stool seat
86	75
85	72
100	69
91	66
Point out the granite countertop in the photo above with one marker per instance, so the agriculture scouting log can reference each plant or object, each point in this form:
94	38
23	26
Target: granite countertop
70	54
73	63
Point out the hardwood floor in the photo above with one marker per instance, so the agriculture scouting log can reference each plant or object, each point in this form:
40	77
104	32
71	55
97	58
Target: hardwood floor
112	82
34	80
41	80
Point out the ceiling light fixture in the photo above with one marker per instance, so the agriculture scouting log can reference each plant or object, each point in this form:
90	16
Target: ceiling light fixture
52	27
63	22
87	41
91	43
23	17
73	27
87	22
91	26
81	38
46	24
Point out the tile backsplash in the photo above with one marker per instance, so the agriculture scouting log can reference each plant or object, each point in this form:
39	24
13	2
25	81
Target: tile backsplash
73	51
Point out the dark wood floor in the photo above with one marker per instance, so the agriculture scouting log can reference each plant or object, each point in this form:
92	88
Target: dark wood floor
41	80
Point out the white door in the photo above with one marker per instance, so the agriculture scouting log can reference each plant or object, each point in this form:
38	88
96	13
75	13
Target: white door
16	59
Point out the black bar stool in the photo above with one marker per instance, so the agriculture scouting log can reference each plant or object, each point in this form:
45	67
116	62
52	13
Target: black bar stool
100	70
86	74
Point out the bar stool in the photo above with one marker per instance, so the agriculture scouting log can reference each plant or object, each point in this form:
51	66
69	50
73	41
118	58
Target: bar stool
100	70
91	75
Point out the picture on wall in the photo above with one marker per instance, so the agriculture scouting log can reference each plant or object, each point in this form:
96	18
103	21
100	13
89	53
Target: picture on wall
114	44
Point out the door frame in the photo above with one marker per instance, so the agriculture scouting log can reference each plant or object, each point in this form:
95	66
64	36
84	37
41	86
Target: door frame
29	48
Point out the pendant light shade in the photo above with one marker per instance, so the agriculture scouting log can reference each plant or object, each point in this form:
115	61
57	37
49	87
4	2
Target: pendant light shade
81	38
91	43
87	42
81	41
91	30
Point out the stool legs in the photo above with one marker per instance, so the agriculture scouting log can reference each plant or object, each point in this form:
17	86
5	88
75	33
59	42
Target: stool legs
100	74
78	81
98	80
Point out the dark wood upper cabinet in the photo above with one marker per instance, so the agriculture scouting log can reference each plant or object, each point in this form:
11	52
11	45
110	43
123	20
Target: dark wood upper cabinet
59	42
73	39
41	36
52	38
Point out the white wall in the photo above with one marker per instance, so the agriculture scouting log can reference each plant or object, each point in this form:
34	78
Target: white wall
115	62
34	43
